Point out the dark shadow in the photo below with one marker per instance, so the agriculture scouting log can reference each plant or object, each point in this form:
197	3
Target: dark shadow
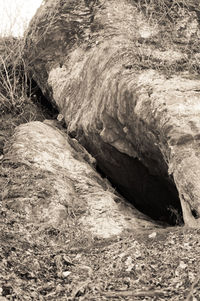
49	110
155	196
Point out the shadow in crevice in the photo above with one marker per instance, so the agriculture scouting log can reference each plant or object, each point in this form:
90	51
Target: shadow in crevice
49	110
153	195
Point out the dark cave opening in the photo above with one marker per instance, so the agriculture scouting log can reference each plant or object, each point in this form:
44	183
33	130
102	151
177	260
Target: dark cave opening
169	212
155	196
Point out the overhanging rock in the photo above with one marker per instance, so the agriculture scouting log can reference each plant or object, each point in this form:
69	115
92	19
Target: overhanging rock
96	60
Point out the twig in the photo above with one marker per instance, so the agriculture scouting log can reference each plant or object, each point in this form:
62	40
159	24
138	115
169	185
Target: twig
188	298
135	293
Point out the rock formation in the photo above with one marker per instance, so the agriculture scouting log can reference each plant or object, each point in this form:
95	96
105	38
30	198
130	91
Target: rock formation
51	184
124	79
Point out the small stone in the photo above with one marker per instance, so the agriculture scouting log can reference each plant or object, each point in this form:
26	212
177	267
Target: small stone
66	274
182	265
60	117
191	277
152	235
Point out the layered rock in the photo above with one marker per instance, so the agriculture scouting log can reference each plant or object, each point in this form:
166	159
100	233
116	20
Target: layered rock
133	104
49	183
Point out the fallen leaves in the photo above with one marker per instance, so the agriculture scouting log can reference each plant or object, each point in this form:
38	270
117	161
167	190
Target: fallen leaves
164	266
136	293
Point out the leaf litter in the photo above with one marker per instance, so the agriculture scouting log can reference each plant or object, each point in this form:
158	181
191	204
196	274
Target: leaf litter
133	267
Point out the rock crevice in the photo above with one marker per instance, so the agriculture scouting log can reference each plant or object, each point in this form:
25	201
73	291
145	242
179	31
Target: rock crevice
137	115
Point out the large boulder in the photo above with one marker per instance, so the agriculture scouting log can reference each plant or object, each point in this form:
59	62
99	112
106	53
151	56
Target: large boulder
125	78
49	180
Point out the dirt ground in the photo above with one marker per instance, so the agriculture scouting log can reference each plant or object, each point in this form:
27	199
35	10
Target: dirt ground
63	264
47	264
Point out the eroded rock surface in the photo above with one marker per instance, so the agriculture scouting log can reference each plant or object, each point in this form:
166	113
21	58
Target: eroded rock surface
133	104
53	185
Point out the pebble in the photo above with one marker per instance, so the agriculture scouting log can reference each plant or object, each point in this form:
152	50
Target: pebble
152	235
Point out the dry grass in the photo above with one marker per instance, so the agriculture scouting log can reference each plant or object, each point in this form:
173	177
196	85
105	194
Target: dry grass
15	71
13	74
178	23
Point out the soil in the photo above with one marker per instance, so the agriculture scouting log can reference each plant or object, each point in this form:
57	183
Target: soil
63	264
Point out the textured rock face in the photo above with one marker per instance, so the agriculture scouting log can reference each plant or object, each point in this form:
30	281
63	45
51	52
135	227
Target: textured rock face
51	184
99	62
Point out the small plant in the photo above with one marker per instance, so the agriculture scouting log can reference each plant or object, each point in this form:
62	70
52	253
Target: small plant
13	71
13	75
